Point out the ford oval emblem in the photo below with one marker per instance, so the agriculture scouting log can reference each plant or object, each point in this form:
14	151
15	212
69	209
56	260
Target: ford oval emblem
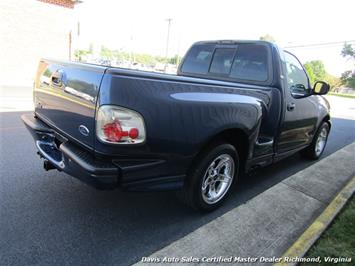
84	130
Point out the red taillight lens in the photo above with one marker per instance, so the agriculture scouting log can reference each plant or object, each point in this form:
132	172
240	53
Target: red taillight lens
133	133
114	133
118	125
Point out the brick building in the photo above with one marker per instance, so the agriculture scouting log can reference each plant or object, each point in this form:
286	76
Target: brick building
29	30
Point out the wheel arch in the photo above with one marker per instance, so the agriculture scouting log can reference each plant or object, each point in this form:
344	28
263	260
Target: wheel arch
326	119
237	137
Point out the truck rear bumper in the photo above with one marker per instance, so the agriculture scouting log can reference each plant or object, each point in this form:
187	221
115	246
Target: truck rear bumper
59	153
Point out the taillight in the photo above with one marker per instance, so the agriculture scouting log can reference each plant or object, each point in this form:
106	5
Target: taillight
119	125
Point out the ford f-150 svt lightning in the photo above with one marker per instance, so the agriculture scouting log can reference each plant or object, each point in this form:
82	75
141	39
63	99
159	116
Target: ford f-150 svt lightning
233	106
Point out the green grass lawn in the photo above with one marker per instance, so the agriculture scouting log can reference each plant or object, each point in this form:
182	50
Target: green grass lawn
342	95
339	239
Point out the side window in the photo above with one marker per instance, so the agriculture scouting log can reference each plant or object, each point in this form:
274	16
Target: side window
296	77
45	77
222	60
198	59
251	63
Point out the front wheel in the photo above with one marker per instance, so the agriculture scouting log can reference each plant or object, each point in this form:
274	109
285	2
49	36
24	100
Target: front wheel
211	178
315	150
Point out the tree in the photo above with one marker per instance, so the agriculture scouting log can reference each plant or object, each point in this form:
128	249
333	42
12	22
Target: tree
79	54
333	81
318	69
106	53
348	51
175	60
309	70
348	77
316	72
268	38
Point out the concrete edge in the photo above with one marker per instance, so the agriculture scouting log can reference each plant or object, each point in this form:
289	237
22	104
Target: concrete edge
316	229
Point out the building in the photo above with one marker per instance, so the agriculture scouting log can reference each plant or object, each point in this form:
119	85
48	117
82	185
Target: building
30	30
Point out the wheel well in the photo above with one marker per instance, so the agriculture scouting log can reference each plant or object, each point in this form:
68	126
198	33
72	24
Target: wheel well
327	119
235	137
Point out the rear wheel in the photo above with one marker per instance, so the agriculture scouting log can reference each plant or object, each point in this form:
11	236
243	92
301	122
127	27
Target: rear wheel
315	150
209	182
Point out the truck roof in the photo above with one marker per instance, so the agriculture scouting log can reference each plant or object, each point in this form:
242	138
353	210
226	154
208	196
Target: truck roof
232	42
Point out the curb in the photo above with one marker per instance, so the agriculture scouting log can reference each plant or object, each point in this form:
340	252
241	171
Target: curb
315	230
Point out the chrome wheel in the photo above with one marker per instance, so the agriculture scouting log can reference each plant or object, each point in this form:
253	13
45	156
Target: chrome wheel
218	178
321	141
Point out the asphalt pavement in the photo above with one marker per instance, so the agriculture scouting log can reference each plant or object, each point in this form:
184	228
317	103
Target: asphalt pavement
50	218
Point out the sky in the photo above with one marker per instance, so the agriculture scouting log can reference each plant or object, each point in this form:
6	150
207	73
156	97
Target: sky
141	26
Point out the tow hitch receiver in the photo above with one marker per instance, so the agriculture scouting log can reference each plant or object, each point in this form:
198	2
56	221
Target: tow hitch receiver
47	165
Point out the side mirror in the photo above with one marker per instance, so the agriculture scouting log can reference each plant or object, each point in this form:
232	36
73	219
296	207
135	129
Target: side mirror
299	91
320	88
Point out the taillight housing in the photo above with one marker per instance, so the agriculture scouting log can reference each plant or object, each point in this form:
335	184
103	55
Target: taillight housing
119	125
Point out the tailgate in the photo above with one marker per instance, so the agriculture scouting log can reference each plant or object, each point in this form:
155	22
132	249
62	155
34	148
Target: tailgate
65	96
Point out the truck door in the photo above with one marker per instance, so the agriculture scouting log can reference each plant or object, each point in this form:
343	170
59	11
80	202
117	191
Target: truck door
301	110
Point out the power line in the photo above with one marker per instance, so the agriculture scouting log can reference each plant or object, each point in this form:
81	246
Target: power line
320	44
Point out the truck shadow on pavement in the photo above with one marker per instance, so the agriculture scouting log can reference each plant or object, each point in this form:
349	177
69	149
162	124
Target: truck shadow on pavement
52	218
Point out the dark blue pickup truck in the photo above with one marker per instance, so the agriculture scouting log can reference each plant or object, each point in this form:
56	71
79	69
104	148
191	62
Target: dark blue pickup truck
232	107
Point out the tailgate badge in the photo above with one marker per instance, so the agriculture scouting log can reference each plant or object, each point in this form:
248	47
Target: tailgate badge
84	130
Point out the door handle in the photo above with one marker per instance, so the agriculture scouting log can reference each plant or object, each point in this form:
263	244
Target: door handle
291	106
57	78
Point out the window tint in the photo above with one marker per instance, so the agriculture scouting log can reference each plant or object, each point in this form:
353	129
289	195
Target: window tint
222	60
245	62
198	59
295	73
250	63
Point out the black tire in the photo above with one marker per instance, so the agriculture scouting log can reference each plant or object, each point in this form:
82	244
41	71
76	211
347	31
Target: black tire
192	193
311	151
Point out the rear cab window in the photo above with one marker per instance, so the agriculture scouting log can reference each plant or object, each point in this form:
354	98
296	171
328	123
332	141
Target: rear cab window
222	61
242	62
198	59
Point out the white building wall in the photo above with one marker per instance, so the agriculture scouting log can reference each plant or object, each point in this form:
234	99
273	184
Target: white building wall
30	30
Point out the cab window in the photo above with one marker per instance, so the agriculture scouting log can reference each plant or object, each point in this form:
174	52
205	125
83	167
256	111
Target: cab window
222	61
242	62
198	59
297	79
251	63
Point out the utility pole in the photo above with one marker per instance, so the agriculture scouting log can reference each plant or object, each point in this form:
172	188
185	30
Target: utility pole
131	59
178	52
167	42
70	40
